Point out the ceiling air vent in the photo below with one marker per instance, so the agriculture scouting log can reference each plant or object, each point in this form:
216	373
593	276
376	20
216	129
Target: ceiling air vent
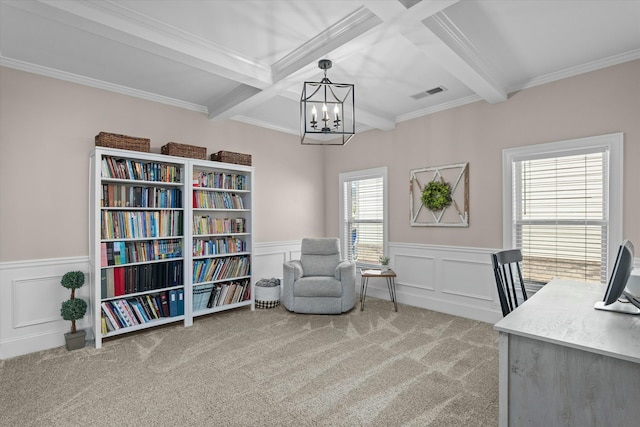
429	92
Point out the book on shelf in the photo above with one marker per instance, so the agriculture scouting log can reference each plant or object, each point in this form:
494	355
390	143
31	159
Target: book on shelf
141	278
123	196
127	312
164	304
180	302
121	224
118	168
219	294
212	269
119	253
220	180
216	200
173	303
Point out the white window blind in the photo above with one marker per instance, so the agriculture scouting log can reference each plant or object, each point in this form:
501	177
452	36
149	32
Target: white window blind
560	215
363	219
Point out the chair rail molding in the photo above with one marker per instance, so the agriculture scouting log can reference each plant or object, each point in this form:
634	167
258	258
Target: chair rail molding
450	279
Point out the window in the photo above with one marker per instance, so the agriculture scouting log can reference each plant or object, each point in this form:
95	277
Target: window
563	207
363	215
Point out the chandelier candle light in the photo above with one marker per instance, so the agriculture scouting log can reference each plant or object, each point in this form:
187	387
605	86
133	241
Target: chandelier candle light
325	95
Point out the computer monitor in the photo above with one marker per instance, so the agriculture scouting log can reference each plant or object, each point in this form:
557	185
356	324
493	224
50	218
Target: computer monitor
615	298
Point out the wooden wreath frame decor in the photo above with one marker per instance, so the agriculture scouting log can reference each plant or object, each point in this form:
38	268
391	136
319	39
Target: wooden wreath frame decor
428	208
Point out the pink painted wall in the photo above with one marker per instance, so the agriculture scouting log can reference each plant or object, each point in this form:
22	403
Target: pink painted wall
596	103
47	130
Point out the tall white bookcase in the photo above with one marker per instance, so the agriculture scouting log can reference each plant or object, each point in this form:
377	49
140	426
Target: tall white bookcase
170	239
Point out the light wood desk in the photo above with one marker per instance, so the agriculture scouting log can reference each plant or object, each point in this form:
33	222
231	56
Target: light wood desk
563	363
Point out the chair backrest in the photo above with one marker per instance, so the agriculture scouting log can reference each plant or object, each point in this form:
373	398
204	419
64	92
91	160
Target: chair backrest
508	273
319	256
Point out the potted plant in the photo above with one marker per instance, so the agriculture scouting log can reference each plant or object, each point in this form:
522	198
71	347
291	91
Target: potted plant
384	261
73	309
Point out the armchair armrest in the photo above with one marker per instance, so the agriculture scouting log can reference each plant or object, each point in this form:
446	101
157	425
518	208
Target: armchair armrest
345	269
293	269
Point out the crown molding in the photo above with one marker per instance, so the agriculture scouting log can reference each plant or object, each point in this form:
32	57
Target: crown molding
581	69
98	84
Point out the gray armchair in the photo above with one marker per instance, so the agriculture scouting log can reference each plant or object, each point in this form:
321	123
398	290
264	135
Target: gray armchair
320	282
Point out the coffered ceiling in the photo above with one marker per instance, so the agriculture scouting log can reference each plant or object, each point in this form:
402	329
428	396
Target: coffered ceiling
247	60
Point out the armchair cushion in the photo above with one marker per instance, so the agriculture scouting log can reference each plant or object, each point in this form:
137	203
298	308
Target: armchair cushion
318	286
319	257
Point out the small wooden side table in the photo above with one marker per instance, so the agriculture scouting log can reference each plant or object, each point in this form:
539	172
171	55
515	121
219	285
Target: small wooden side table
389	274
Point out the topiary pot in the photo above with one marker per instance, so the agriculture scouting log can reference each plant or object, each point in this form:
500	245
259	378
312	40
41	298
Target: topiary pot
75	340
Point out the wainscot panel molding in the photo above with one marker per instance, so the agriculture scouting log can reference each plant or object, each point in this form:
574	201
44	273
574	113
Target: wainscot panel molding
31	295
268	258
450	279
453	280
30	299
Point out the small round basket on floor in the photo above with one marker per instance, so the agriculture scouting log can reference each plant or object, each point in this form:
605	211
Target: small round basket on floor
267	293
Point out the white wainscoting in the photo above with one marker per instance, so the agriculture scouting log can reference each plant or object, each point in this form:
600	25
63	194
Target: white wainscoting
30	299
31	295
453	280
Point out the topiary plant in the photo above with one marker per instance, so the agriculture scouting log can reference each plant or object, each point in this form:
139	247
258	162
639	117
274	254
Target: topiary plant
74	308
436	195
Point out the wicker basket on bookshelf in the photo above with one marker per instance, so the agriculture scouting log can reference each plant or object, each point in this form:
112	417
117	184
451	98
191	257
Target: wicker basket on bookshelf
231	157
123	142
184	150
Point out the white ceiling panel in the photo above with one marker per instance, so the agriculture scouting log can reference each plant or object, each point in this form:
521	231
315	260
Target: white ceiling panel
247	59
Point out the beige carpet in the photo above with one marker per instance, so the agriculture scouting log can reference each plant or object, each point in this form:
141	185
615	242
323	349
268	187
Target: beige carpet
268	368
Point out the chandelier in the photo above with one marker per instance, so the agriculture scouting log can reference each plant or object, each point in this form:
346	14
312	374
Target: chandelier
326	111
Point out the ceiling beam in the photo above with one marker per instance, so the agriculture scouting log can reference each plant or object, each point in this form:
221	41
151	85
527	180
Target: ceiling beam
444	43
458	55
116	22
338	34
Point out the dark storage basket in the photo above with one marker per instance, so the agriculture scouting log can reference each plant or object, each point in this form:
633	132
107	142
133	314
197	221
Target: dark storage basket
231	157
123	142
184	150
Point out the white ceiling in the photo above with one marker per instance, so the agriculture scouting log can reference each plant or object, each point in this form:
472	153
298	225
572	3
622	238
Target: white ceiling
247	59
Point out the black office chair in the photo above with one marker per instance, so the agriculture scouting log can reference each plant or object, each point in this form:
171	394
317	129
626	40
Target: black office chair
506	268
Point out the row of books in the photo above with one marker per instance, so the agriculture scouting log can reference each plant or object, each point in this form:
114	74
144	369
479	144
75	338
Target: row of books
212	269
124	313
219	180
142	171
118	281
119	253
140	224
216	200
205	224
209	296
132	196
221	246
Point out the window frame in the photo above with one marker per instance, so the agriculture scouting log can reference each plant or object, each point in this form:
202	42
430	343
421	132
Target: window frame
612	143
361	175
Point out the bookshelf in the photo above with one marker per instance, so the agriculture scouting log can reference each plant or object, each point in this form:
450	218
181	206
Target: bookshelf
221	236
160	240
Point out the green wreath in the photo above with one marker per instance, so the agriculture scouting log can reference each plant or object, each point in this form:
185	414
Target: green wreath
436	195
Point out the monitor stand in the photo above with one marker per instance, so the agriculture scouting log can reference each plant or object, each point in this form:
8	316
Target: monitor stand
622	305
